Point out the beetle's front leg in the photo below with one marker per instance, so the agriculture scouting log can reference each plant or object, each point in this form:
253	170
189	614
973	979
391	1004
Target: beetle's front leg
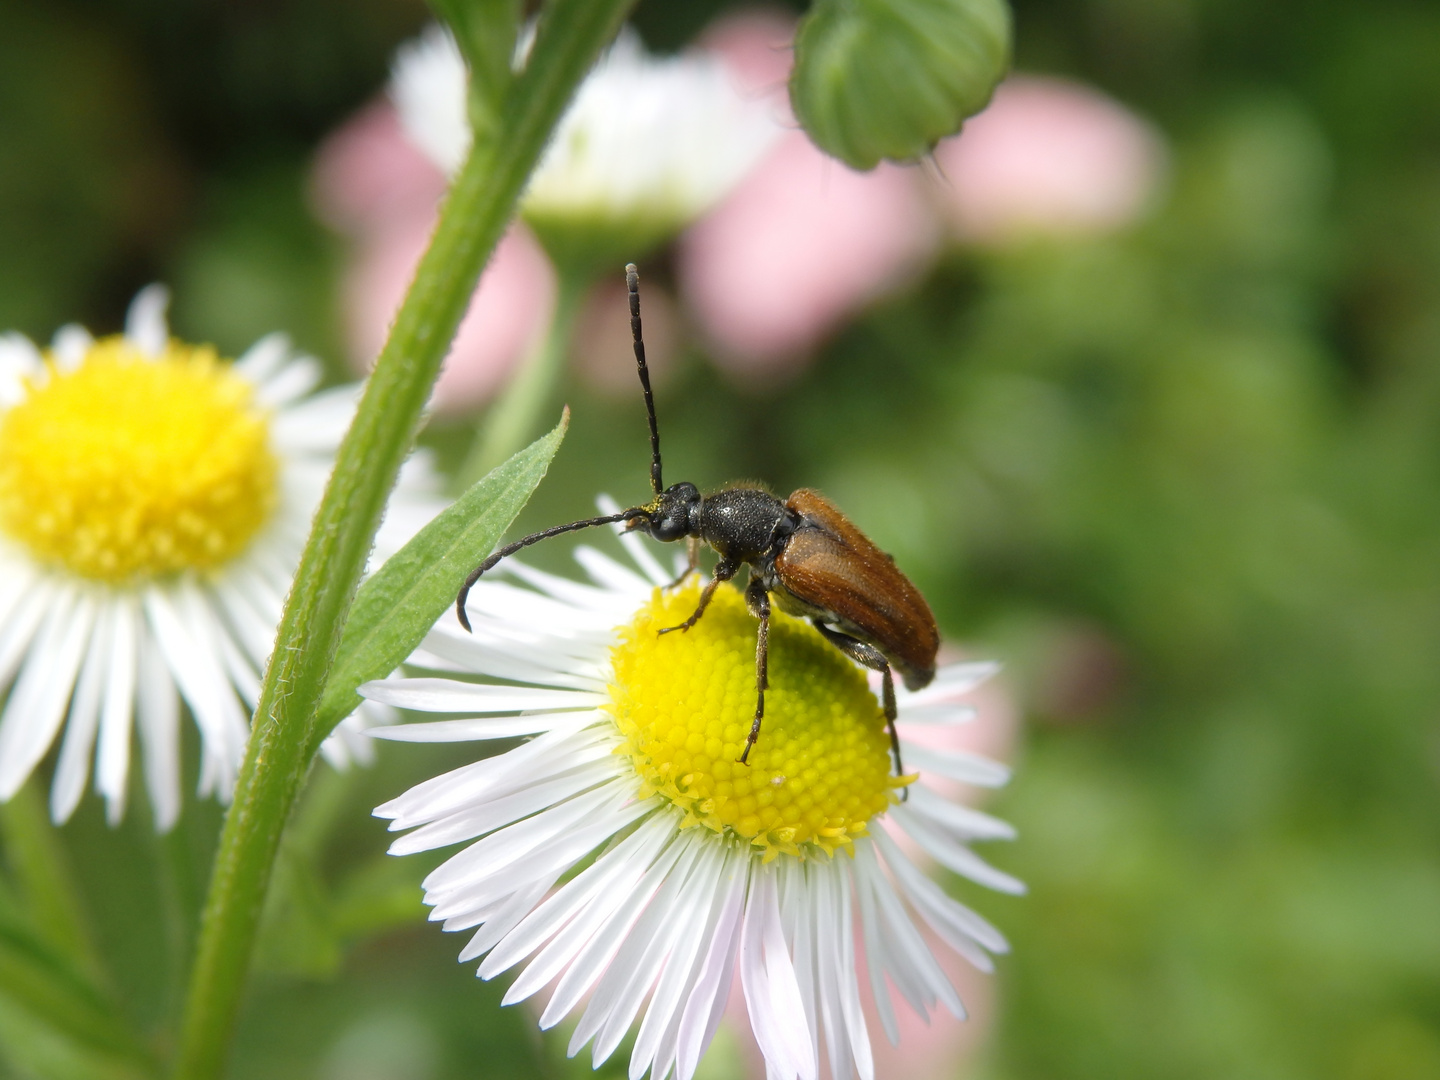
758	601
724	571
692	553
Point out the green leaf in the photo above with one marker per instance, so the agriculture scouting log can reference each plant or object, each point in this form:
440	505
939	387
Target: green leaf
52	990
398	605
37	862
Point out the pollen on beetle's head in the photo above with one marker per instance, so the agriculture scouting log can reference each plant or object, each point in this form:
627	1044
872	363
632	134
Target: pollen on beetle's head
685	703
130	466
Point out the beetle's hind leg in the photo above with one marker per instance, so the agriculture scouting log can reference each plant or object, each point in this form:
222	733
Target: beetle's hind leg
724	571
874	659
758	601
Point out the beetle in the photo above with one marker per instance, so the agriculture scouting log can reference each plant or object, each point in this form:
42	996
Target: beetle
803	554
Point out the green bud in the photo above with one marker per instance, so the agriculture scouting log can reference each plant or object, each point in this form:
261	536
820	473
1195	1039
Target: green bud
889	78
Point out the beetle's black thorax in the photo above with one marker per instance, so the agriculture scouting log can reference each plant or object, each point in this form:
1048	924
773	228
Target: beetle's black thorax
745	524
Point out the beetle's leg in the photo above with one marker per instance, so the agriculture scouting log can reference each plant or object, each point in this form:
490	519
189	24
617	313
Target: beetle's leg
873	659
724	571
758	601
692	550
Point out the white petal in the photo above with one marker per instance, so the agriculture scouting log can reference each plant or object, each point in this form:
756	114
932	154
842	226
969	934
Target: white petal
485	657
145	324
19	360
951	682
912	965
186	636
293	381
706	1002
263	359
568	920
479	728
491	855
27	604
500	812
953	855
959	927
613	928
937	713
468	786
37	702
772	994
317	424
450	696
635	545
968	768
609	574
73	768
506	917
117	713
158	716
874	957
965	823
636	966
692	914
69	346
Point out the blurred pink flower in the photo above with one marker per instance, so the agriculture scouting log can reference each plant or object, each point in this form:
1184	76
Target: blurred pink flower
371	183
803	240
1048	156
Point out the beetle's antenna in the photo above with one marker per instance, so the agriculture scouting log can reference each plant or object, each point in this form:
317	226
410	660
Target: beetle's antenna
535	538
632	282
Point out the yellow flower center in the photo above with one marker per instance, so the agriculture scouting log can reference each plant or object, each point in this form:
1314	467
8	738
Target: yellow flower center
130	467
685	702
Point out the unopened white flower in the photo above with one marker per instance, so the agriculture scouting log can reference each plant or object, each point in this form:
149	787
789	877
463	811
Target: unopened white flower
690	865
154	500
648	144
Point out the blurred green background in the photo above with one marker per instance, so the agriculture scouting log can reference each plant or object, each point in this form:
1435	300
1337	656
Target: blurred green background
1184	480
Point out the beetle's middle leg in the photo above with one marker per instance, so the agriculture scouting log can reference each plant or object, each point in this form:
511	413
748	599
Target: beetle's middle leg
758	601
724	571
874	659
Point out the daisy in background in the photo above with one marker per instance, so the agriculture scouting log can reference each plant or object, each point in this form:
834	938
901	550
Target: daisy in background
648	145
624	859
154	500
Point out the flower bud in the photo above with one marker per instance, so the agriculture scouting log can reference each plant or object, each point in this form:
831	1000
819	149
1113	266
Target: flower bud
889	78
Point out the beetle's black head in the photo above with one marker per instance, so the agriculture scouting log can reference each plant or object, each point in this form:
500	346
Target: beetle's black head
675	514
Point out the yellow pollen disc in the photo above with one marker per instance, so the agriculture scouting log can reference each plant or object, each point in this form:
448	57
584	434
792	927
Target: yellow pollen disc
129	467
685	702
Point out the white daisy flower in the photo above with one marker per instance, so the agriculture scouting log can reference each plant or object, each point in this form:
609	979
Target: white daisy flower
649	142
622	854
154	500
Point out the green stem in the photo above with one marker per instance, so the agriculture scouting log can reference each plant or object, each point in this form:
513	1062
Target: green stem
481	201
514	418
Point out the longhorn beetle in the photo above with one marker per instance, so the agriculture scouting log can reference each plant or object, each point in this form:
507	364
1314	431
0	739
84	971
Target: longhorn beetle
801	552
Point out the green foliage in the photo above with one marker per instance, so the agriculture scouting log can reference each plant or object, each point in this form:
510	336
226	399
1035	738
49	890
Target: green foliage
880	79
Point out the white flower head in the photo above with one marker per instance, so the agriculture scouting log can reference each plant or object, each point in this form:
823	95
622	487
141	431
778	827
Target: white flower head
650	142
691	866
154	500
